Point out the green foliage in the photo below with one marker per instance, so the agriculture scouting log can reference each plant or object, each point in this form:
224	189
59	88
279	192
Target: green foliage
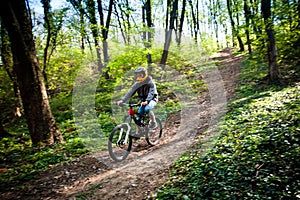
63	68
21	161
128	58
62	107
257	153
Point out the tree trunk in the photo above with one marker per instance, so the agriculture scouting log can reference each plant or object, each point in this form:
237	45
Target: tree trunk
120	24
94	28
272	50
82	27
169	35
41	123
104	30
124	16
194	21
247	17
48	26
234	29
181	21
147	35
214	15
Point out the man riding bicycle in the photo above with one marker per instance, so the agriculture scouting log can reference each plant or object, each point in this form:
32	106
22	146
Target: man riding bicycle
146	89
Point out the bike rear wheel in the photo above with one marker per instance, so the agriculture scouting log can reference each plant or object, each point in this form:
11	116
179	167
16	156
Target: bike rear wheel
118	148
153	136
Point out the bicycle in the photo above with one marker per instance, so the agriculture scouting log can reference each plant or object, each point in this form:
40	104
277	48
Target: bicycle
120	139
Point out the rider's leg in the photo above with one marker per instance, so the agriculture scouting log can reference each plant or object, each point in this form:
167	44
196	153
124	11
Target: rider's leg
148	109
152	116
141	111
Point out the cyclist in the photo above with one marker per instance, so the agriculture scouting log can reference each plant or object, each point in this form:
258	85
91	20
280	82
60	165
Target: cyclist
146	90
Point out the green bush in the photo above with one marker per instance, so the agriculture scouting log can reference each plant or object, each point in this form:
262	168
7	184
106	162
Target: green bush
256	155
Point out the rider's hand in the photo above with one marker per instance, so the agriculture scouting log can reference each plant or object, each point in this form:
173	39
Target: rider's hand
119	102
144	103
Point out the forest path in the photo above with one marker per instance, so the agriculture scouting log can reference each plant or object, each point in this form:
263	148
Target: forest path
98	177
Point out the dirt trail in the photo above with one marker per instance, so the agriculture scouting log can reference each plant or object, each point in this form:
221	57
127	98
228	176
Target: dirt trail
98	177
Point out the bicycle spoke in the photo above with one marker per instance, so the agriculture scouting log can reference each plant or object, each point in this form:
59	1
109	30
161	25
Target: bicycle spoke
153	136
119	145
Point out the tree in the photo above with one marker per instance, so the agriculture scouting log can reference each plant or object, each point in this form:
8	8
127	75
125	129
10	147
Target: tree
181	21
271	48
247	28
90	5
49	27
77	4
124	19
147	35
41	123
52	27
104	30
235	32
195	22
169	34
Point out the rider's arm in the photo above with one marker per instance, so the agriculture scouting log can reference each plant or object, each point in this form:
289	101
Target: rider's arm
152	94
131	92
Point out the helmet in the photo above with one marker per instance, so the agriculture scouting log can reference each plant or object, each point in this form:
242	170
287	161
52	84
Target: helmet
143	71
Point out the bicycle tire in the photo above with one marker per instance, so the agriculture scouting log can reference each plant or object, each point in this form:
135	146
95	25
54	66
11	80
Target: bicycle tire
119	151
153	136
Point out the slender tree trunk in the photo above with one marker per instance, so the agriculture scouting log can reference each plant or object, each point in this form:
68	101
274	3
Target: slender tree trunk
169	35
235	33
272	49
194	21
181	21
247	17
147	35
48	26
95	32
215	20
167	17
125	21
240	41
231	21
104	31
82	28
41	123
120	24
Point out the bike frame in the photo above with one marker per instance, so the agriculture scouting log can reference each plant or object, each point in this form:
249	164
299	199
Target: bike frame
131	114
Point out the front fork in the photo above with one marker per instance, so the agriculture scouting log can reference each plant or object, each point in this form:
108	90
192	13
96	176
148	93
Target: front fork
120	142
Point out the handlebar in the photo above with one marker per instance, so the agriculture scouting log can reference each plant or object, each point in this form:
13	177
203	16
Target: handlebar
130	104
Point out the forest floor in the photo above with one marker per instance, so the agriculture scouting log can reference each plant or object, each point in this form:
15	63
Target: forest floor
96	176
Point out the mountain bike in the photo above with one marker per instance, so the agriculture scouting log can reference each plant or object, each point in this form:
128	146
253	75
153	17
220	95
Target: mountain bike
132	128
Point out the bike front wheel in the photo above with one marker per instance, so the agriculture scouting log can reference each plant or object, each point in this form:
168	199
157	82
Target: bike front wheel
119	143
154	135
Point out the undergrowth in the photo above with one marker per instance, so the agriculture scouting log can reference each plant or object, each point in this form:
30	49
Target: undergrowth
20	161
257	153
